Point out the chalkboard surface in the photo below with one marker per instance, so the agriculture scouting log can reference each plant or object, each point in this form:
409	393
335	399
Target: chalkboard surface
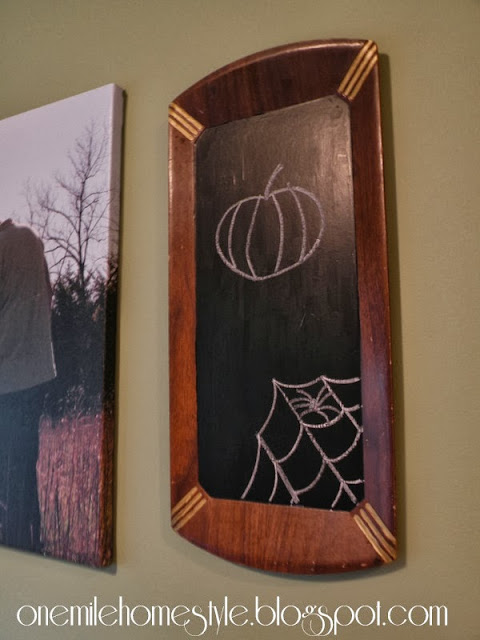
280	370
278	336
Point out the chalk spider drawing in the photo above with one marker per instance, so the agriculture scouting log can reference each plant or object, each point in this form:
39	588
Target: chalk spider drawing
305	405
243	248
316	406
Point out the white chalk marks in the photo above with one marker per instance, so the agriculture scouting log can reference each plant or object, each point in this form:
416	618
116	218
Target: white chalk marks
308	435
264	236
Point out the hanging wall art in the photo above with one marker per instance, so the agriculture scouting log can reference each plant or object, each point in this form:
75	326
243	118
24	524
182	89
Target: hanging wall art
281	401
59	232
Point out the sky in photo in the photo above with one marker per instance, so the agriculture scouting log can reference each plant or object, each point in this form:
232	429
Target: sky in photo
35	147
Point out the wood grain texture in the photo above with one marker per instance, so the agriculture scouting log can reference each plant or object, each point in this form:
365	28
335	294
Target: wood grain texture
276	537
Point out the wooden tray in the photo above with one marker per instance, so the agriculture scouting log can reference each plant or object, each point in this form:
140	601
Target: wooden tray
280	366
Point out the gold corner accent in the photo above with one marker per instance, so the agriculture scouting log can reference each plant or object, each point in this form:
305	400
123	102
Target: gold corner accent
187	507
184	122
376	532
386	531
359	70
184	500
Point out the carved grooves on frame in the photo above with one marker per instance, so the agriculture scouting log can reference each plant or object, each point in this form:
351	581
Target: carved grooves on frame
184	122
376	532
187	507
359	70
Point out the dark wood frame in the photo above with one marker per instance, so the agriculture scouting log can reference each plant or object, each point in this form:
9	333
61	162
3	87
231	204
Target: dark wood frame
275	537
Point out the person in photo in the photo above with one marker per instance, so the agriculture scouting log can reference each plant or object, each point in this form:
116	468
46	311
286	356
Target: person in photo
26	366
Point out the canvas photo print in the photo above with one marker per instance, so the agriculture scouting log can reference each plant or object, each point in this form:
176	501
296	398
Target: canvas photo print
59	235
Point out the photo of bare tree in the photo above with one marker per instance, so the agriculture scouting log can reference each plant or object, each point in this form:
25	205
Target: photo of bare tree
59	233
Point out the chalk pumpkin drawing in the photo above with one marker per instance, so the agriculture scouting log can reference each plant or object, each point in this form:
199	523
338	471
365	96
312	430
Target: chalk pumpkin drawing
242	247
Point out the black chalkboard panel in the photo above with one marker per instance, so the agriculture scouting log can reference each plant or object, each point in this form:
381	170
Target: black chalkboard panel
277	334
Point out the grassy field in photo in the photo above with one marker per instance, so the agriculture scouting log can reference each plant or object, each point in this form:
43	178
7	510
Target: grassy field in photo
69	482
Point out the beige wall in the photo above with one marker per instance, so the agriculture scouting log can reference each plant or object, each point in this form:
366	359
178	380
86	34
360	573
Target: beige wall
51	49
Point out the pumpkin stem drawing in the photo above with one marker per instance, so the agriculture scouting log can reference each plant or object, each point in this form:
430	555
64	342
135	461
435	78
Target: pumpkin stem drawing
267	235
275	173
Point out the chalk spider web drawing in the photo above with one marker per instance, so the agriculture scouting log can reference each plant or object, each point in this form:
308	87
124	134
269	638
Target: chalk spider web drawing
295	222
310	432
